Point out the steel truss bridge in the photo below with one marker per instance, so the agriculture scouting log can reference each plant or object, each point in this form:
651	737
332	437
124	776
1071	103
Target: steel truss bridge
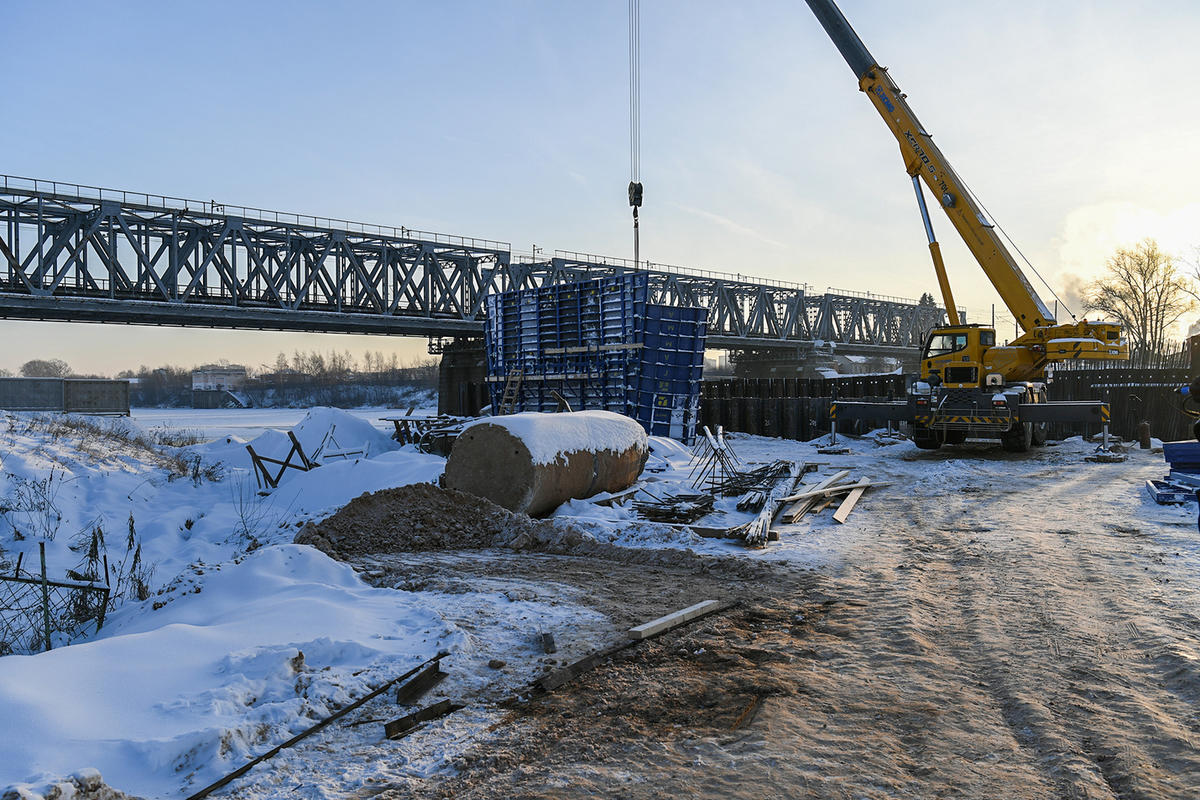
84	254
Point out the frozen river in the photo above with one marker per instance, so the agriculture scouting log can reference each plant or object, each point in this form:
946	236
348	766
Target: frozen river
248	423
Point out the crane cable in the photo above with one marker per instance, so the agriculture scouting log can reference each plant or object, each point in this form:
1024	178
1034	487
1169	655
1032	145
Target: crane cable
1003	232
634	91
635	121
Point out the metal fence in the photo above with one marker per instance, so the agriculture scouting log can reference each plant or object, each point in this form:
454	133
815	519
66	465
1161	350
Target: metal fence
1133	396
33	608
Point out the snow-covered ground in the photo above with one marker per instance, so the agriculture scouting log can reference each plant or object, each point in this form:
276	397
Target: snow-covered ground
250	422
243	638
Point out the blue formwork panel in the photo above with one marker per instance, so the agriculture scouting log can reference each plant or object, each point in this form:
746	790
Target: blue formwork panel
1183	456
601	344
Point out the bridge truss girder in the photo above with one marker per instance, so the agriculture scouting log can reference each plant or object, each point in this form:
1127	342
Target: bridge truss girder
74	254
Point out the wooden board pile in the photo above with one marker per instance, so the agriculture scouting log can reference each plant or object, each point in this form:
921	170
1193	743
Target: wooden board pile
837	488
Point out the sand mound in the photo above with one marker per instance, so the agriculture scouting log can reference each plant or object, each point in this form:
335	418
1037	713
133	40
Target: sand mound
422	516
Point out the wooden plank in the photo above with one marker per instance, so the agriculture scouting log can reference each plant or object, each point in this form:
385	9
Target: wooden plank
420	683
620	497
673	620
399	728
848	504
824	503
558	677
845	487
802	506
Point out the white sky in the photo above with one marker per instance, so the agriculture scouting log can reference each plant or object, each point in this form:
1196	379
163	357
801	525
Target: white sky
1073	122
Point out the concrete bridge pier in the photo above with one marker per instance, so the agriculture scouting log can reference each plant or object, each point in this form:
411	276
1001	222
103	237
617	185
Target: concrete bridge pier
461	374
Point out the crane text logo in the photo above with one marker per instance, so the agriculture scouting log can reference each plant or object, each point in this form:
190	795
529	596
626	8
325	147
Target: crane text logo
925	160
883	96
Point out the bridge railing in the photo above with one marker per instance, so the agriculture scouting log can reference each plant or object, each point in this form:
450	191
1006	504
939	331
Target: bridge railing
76	192
653	266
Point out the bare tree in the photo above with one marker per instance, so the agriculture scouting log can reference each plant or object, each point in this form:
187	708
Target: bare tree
43	368
1142	289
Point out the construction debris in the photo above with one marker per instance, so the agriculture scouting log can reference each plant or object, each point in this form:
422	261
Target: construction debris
552	680
673	620
399	728
242	770
758	531
679	508
714	457
834	488
420	683
761	479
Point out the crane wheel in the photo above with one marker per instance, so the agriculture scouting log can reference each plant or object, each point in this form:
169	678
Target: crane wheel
1019	438
926	439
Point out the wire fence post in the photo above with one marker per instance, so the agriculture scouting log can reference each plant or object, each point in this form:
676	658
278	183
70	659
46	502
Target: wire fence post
45	595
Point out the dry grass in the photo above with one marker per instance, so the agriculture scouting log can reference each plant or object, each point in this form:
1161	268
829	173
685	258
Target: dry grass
102	441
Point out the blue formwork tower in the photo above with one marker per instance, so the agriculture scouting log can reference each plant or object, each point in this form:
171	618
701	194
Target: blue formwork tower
600	344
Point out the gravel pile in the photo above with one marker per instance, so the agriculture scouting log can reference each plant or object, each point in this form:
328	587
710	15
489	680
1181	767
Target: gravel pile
422	516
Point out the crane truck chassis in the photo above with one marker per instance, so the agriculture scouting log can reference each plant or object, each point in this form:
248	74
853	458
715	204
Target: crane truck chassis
1016	414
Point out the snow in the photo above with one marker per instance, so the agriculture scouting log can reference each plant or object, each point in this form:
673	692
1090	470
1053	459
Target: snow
549	436
181	688
194	688
246	423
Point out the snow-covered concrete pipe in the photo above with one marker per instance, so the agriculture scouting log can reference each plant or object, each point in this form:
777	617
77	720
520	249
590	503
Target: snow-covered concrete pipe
534	462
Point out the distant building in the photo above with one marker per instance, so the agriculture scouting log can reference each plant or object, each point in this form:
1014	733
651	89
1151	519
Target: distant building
219	386
218	378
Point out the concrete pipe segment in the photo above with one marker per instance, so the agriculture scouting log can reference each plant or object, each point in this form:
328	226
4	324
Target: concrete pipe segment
534	462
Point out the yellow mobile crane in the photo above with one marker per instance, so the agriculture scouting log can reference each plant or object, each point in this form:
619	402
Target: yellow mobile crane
969	385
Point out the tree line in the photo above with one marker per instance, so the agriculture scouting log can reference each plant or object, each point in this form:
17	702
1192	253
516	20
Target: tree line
333	376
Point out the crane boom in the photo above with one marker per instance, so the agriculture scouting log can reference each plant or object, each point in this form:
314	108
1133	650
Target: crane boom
970	386
923	158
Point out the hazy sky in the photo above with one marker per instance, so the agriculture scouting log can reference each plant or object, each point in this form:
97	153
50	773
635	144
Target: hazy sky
1074	122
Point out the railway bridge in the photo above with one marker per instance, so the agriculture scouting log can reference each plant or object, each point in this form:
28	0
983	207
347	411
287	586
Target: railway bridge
86	254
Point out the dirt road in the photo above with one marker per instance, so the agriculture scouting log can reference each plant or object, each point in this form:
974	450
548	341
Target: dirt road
1002	633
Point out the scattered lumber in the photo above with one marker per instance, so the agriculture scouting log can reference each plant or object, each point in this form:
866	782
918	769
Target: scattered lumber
555	679
802	506
621	497
752	501
419	684
833	489
552	680
848	504
673	620
399	728
675	507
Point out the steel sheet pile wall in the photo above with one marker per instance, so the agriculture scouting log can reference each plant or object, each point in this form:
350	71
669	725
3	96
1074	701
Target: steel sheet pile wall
791	408
602	346
74	395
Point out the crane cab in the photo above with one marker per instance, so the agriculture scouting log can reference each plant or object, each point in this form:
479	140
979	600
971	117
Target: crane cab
954	356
